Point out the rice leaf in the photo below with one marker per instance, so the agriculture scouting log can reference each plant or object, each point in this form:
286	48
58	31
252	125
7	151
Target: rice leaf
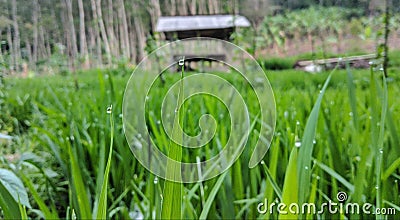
102	200
79	189
8	204
211	196
306	149
290	187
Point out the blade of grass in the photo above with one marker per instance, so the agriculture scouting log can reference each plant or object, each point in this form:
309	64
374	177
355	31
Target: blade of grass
275	186
290	186
380	142
102	200
22	210
306	149
8	204
40	202
79	187
211	196
171	206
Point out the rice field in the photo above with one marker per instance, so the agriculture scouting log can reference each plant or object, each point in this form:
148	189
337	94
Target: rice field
336	135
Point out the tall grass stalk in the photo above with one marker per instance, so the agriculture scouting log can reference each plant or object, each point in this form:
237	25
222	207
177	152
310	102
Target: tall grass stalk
102	198
172	194
307	145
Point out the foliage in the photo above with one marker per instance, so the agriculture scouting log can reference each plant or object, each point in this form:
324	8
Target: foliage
64	155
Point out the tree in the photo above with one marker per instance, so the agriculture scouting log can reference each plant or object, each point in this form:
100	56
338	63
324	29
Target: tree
16	43
82	36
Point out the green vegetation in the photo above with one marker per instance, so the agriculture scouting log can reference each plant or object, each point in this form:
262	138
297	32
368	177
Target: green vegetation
61	154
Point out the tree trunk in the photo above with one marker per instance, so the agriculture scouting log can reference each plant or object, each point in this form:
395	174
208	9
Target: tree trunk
17	44
192	7
11	50
74	48
141	38
42	44
173	8
202	7
96	33
210	7
35	32
182	10
29	52
132	37
103	31
110	29
124	34
216	7
155	12
82	36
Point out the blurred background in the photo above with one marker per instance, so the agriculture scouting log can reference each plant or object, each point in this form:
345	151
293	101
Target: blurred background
48	37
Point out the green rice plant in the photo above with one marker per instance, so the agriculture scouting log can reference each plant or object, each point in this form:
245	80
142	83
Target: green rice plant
102	200
306	149
13	196
172	194
211	196
290	186
343	157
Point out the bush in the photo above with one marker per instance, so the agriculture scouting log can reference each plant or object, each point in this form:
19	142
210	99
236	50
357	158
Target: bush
277	63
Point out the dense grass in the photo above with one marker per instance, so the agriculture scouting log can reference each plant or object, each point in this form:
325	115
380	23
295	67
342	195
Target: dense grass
63	137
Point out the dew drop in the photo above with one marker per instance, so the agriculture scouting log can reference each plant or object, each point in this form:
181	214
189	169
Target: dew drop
137	144
286	114
306	167
357	158
147	98
314	141
109	109
297	123
158	122
72	138
120	115
155	180
262	162
370	63
318	177
381	151
376	187
297	144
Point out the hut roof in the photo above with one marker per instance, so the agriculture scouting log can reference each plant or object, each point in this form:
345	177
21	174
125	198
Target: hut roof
200	22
